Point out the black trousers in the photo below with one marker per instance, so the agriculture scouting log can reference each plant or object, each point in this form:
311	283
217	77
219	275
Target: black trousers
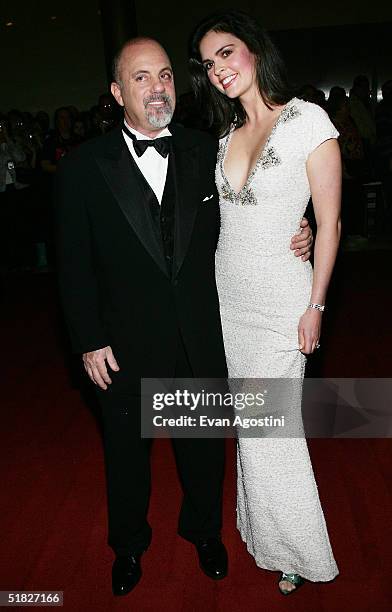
200	464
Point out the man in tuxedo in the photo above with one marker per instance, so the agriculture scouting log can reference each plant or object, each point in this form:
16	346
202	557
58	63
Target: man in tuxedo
137	221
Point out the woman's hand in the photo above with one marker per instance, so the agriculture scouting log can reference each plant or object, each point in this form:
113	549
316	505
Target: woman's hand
309	329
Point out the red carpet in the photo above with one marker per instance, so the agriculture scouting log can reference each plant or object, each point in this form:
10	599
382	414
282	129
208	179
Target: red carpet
53	507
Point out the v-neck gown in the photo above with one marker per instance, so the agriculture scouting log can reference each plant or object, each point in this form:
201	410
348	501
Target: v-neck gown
263	291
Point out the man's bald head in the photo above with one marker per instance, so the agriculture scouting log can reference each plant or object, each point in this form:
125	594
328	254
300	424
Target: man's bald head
127	49
144	85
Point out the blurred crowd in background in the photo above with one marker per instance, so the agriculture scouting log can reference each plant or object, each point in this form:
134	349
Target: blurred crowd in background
31	147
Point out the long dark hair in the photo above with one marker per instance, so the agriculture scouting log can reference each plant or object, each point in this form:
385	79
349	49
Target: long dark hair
272	82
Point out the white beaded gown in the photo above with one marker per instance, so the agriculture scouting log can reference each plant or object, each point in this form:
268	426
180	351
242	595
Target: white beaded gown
263	291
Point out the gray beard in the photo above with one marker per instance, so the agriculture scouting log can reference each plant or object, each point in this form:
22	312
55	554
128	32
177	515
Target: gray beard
160	118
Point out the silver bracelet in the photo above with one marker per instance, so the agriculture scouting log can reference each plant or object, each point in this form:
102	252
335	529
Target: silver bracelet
319	307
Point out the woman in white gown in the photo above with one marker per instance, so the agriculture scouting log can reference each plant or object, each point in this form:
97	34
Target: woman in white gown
275	152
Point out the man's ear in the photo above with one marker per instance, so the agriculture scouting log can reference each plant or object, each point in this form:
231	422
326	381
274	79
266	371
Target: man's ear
116	93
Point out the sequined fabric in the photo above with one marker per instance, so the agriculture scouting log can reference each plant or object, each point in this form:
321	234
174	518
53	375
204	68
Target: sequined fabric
263	291
267	158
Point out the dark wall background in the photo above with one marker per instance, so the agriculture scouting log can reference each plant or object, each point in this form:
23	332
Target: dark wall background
330	56
47	62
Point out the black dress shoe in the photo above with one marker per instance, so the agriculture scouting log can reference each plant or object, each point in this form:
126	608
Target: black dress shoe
126	573
212	558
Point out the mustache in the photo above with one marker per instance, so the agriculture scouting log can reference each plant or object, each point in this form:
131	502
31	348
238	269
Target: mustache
158	98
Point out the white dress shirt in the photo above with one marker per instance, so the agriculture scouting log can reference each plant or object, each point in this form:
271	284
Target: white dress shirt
152	165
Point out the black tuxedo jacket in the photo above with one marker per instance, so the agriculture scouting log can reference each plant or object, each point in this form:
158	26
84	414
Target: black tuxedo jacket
114	283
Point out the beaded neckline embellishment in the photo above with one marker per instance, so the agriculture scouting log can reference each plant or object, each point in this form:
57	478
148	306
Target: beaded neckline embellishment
267	158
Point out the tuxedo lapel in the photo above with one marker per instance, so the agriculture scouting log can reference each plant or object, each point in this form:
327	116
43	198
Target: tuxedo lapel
186	159
126	183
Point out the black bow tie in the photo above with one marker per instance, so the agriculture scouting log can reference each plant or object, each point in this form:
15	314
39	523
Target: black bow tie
162	144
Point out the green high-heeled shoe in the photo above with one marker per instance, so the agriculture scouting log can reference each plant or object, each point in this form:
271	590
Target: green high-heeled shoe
295	579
